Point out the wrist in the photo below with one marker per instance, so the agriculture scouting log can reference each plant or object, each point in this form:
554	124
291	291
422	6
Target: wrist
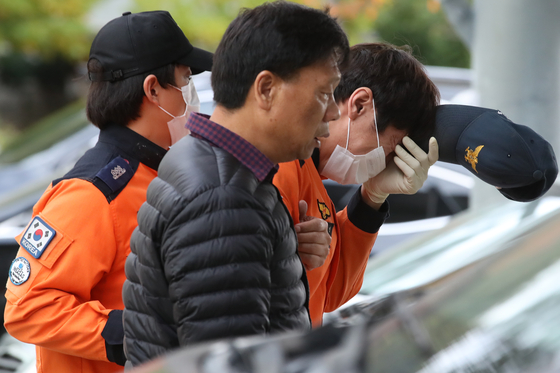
373	199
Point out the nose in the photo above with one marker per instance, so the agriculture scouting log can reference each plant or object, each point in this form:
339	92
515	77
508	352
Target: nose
332	113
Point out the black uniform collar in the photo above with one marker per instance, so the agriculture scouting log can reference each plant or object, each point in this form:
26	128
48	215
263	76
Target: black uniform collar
133	144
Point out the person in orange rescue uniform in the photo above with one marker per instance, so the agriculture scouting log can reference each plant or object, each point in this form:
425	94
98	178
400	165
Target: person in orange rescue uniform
385	99
64	292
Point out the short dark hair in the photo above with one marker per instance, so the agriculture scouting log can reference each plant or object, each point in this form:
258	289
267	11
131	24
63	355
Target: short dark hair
404	95
279	37
119	102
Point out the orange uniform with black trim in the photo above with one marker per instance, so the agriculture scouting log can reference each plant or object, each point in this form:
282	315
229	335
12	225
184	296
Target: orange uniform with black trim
64	291
353	231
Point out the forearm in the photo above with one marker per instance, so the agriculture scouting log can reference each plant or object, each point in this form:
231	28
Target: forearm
57	321
358	226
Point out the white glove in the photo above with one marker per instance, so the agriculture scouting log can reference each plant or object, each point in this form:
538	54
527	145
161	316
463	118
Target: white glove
406	174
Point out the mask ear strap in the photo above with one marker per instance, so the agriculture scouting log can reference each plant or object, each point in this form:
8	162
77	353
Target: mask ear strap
375	120
166	112
348	134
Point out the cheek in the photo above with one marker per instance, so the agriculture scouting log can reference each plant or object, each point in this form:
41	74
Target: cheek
311	116
317	108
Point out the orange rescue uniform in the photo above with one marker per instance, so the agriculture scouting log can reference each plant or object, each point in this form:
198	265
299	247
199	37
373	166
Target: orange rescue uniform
61	302
353	231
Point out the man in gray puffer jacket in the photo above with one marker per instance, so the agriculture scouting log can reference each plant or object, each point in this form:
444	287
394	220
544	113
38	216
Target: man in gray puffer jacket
215	252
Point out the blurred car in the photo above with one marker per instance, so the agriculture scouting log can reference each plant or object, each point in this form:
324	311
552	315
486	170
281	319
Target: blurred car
479	295
16	357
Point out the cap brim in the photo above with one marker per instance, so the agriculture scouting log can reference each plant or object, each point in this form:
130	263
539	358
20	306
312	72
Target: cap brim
198	60
526	193
531	192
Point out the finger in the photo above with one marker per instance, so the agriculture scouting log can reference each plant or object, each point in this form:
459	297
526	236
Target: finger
433	152
405	156
313	256
312	225
314	238
302	210
315	249
413	148
404	167
417	152
311	262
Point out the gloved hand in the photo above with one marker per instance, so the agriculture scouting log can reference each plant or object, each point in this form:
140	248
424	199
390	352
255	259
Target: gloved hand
406	174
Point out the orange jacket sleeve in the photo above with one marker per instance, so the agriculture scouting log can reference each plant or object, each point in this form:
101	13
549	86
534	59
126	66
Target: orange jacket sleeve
358	225
57	307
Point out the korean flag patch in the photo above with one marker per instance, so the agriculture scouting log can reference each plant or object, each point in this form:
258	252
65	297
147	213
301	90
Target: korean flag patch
37	237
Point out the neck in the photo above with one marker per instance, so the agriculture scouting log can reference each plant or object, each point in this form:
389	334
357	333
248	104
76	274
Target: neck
152	125
245	123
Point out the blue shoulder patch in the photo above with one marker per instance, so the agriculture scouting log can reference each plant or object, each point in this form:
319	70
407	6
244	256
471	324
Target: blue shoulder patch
116	174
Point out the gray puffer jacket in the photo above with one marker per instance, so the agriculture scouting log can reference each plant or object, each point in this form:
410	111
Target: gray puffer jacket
214	255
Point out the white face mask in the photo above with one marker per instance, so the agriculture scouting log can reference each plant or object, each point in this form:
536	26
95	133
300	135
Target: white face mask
176	126
347	168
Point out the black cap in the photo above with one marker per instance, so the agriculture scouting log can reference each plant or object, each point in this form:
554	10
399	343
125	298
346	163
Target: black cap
136	43
509	156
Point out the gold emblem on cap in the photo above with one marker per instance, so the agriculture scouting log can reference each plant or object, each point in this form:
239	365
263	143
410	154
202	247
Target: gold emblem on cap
472	156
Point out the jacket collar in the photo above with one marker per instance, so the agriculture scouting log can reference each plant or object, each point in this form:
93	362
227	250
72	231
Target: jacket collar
133	144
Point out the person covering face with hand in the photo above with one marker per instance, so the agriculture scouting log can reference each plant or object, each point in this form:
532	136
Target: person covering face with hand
385	100
406	171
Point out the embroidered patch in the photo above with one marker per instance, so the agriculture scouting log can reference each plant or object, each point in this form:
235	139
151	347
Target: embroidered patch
19	271
325	212
37	237
471	156
116	174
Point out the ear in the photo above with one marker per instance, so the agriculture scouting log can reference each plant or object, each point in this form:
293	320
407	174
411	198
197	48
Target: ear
265	88
152	89
359	102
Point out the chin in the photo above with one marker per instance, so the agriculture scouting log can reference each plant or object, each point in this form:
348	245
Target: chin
306	154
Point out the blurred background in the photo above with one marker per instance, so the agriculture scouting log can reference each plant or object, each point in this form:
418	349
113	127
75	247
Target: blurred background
460	279
44	44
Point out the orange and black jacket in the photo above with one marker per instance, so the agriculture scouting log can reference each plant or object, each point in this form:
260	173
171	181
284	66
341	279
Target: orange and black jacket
64	287
353	231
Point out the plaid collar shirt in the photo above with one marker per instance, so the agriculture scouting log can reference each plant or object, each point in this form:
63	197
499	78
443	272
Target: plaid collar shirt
202	127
